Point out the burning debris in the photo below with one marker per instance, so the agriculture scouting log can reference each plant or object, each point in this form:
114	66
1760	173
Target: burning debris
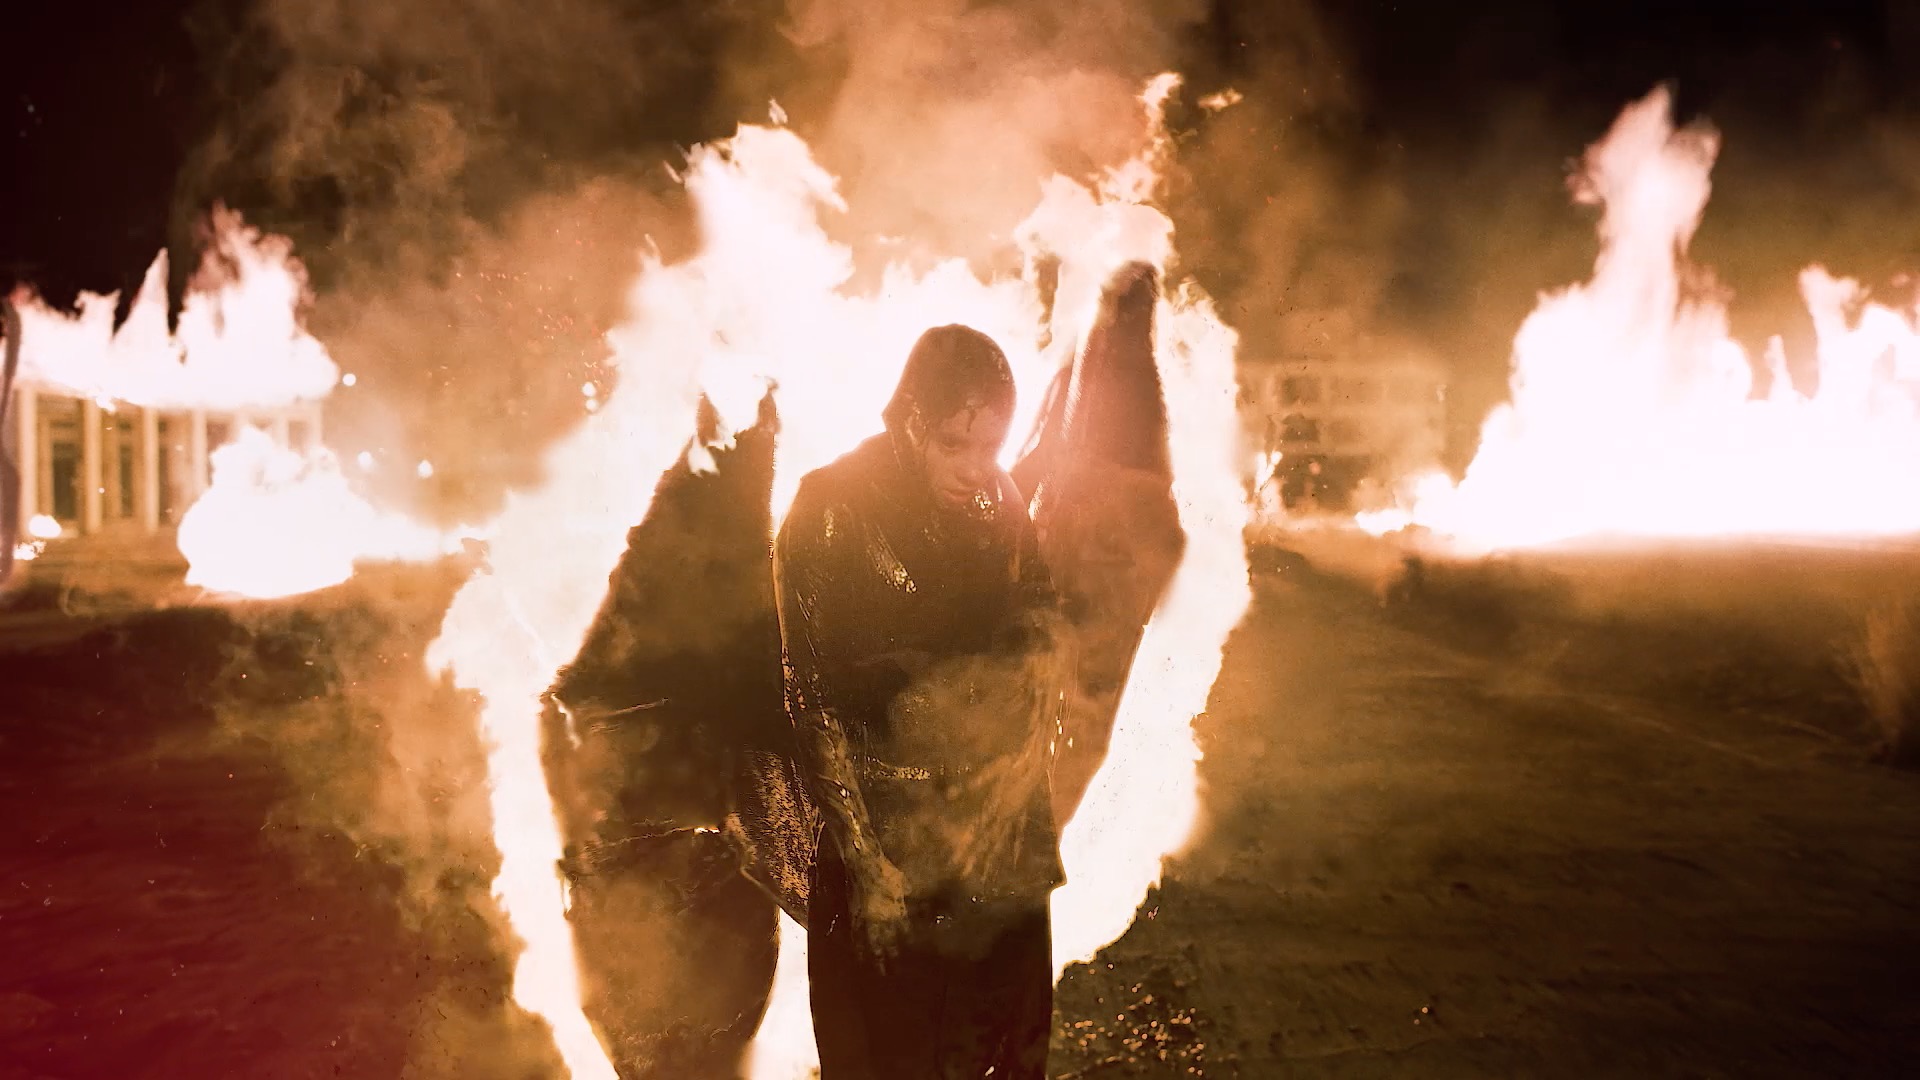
1148	1032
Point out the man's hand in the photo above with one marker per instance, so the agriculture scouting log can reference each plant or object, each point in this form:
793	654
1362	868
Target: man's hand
880	908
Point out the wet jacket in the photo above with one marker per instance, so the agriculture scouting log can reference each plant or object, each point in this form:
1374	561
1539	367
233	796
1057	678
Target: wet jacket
920	677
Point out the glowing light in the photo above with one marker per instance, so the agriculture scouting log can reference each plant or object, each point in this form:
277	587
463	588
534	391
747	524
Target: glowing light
424	470
364	459
278	522
43	527
1225	99
349	379
784	1046
239	342
275	522
1633	411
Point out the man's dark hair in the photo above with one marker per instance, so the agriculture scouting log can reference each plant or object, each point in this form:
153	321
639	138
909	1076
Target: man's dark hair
951	368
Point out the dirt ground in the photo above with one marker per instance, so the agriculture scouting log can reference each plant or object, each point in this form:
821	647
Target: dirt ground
1442	839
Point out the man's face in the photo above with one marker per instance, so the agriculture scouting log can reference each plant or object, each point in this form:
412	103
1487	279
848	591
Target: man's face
961	453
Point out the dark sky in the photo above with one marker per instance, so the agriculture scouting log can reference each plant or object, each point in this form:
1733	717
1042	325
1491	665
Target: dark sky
102	101
1462	117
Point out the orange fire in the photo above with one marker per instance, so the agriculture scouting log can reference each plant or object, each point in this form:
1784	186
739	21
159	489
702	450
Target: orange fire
1634	413
767	300
239	343
277	519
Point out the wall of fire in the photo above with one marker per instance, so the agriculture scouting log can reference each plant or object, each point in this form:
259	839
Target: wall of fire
104	467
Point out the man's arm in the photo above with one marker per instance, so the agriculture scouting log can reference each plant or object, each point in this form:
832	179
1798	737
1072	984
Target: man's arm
808	558
1037	613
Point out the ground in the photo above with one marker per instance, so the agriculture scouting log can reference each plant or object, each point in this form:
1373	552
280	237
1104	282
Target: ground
1505	835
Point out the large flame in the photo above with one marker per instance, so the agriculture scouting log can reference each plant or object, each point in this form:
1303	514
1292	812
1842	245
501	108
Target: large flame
1633	412
239	343
279	521
767	300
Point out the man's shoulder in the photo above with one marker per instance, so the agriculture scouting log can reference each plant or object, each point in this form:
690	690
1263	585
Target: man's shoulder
844	477
833	491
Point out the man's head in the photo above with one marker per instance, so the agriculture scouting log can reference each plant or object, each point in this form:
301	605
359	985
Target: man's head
952	410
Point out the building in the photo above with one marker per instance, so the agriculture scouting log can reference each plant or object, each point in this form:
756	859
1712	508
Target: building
1327	425
101	468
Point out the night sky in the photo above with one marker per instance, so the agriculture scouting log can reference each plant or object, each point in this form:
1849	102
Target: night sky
1436	136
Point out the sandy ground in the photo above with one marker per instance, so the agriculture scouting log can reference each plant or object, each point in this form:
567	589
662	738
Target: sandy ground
1559	846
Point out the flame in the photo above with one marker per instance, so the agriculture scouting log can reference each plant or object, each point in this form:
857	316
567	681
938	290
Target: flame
275	521
239	342
40	529
1633	411
784	1047
278	522
767	300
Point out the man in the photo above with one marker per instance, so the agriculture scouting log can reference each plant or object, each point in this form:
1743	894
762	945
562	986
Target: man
913	615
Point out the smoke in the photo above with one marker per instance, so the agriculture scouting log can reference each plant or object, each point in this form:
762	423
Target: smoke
380	758
472	186
475	368
943	119
389	128
1496	228
1287	223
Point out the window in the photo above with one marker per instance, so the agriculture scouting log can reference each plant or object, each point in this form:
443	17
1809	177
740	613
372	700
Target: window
1299	390
1300	429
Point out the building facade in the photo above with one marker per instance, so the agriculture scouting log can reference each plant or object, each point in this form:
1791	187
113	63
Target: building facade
1328	426
91	467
